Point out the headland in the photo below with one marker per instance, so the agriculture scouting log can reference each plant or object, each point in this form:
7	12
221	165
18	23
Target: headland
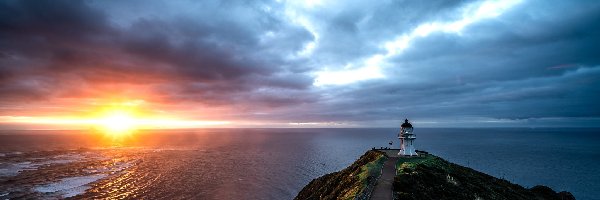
382	174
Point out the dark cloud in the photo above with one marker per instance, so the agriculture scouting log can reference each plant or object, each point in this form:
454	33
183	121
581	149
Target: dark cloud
537	61
527	64
516	46
70	43
351	30
51	20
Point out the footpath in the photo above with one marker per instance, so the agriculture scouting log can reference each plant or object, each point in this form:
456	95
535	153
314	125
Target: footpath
383	189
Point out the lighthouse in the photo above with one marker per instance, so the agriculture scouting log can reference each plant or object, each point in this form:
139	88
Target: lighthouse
407	139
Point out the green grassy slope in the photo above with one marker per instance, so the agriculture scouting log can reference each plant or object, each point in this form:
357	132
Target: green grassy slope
431	177
347	183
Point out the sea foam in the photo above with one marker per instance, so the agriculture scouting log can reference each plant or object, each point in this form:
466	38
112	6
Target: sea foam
69	187
13	169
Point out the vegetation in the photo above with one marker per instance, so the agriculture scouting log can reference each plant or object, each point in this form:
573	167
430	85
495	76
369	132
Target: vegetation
430	177
348	183
423	177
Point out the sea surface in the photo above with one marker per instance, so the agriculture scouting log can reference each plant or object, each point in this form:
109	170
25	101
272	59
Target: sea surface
273	163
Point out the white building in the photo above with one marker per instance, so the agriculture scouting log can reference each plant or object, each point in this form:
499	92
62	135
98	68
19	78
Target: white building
407	139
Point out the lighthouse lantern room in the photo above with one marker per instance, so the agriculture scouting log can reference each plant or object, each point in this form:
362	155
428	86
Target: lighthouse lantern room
407	139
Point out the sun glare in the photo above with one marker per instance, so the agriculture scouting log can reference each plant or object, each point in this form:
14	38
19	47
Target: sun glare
115	121
118	123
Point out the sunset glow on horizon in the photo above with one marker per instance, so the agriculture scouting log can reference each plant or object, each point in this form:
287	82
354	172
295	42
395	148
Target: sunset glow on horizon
115	123
117	118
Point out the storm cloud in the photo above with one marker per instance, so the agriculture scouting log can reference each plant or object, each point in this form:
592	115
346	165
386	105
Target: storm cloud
534	63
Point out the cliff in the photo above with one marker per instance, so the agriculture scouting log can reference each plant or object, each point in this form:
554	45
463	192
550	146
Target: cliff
424	177
350	183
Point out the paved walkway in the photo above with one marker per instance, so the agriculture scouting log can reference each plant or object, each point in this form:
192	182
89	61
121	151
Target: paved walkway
383	189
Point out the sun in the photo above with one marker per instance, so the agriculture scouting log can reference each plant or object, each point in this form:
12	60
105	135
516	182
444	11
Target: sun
118	122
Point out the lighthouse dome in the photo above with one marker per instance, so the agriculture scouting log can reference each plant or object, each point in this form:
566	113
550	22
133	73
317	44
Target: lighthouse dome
406	124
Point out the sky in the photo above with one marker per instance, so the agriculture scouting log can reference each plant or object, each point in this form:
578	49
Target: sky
317	63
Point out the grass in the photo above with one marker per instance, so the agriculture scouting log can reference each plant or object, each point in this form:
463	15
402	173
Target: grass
372	169
347	183
368	172
423	177
408	164
431	177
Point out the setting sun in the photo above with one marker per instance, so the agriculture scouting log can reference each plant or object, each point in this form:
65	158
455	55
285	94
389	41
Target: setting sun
118	122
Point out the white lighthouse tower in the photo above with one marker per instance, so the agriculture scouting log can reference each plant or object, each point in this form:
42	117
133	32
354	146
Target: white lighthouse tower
407	138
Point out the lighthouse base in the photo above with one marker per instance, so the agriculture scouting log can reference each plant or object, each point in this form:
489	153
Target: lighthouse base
408	151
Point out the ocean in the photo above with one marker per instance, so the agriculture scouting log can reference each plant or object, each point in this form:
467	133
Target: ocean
274	163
